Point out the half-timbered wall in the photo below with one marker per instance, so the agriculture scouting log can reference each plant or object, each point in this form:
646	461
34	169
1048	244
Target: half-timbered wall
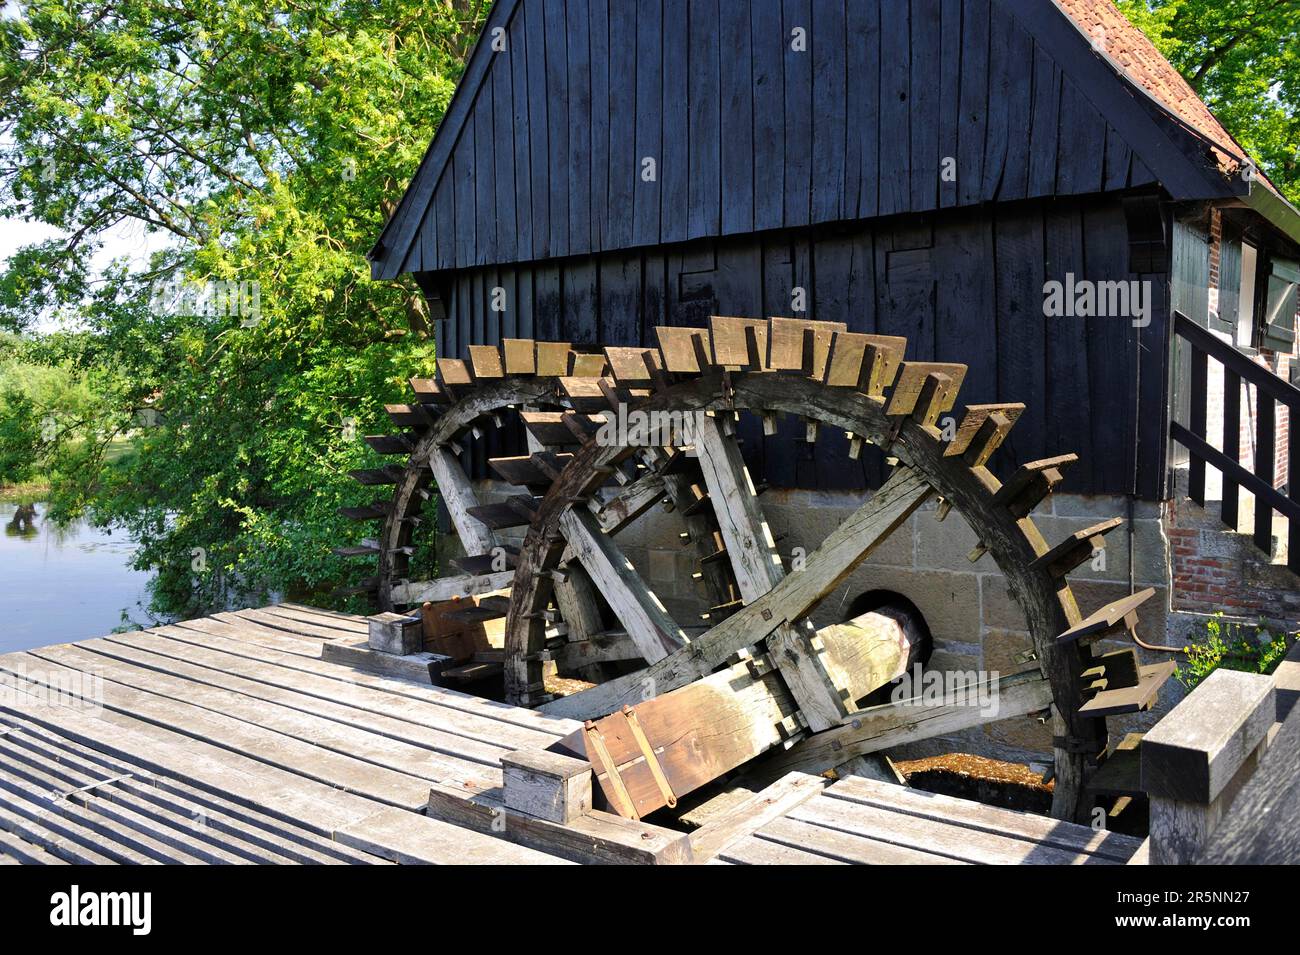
962	285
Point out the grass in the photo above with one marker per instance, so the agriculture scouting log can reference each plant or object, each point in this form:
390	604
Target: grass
38	489
24	492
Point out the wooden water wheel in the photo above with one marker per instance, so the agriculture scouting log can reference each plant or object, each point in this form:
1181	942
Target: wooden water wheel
657	689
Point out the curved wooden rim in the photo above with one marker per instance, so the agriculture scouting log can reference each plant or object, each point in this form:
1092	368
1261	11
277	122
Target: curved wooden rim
1014	542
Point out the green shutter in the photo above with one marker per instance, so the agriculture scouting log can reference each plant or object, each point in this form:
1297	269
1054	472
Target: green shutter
1280	305
1229	283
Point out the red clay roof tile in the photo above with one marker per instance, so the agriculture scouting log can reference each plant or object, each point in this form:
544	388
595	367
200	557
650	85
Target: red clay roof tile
1146	67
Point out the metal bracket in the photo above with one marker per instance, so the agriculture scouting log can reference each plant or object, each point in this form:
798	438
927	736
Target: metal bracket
596	745
605	764
91	787
1076	745
651	760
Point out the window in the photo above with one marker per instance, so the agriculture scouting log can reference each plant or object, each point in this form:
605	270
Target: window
1246	300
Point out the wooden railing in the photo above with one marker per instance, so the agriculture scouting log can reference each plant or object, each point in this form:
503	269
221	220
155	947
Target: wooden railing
1270	391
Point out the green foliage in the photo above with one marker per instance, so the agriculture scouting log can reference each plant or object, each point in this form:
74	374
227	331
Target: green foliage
266	143
1250	650
1243	58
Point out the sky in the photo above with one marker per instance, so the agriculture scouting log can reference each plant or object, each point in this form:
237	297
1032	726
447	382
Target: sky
128	239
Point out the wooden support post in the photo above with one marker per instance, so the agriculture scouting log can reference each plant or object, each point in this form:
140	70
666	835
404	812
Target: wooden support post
459	497
642	613
547	785
815	680
396	633
1196	759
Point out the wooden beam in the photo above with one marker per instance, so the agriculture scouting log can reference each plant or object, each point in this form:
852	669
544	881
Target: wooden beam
750	545
817	681
846	547
575	596
597	838
458	496
546	785
629	503
642	614
717	724
449	587
891	724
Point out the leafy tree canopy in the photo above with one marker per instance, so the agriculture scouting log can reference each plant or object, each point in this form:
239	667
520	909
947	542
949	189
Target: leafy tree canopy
264	142
1243	58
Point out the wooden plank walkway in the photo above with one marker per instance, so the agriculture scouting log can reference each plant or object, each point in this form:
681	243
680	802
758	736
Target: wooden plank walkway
229	740
859	821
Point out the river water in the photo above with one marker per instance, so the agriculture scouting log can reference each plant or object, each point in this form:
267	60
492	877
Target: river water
61	584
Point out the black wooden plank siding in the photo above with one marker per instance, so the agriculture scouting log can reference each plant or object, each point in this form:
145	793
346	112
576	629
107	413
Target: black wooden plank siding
675	158
894	133
738	104
763	115
924	103
962	285
768	83
862	153
973	125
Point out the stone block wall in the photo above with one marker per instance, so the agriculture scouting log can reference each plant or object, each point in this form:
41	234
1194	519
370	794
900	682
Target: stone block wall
975	622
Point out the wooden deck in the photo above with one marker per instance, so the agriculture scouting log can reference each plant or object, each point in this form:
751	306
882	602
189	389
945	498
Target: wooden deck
229	740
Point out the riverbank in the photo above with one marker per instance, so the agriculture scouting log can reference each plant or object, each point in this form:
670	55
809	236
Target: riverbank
25	492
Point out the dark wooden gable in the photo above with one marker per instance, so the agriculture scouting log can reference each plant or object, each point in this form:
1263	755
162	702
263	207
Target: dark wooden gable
544	150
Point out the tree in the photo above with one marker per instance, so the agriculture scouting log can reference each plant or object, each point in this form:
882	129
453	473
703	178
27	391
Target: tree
1242	57
265	142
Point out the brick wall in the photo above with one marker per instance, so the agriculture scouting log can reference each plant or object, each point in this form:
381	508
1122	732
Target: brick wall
1214	571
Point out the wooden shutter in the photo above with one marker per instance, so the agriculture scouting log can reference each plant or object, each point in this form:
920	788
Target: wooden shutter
1280	305
1229	283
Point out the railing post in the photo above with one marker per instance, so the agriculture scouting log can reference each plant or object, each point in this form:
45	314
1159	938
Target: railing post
1196	759
1265	455
1231	442
1197	398
1293	488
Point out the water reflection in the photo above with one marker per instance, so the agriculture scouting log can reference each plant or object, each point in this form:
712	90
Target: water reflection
23	523
63	583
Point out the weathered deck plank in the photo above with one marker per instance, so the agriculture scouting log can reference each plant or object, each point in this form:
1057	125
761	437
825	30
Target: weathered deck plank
235	720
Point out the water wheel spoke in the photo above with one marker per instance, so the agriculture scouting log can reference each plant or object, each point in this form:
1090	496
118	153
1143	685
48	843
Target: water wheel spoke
787	603
641	613
458	496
